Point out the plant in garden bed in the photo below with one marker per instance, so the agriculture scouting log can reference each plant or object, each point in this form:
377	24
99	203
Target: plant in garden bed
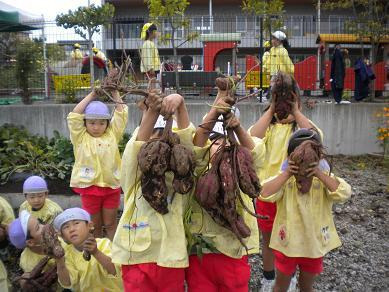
21	152
383	129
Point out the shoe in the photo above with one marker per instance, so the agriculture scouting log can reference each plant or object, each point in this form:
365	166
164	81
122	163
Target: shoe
293	284
266	285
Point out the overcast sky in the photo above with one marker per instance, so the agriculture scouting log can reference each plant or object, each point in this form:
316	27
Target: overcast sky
49	8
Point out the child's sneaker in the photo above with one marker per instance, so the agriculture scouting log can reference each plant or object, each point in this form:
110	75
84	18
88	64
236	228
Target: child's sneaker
293	284
266	285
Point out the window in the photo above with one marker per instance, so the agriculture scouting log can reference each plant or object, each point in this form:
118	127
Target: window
167	28
241	23
201	24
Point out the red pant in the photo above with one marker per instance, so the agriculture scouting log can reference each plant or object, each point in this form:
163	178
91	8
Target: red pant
152	278
288	265
94	198
217	273
267	212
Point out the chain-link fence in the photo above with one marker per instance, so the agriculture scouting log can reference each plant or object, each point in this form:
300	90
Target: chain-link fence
191	56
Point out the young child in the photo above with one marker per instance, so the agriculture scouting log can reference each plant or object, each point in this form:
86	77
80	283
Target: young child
151	247
6	217
275	133
304	229
25	233
231	256
150	61
96	171
74	271
42	209
37	203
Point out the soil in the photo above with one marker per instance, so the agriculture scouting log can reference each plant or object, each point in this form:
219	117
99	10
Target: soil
361	263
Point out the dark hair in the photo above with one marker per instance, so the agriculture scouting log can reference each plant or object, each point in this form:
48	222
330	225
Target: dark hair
302	135
92	119
150	30
286	44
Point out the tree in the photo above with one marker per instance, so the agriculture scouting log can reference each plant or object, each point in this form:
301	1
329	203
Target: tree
370	22
272	12
86	21
171	12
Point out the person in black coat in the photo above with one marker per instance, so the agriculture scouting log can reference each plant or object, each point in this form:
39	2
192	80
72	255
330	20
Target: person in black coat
338	73
363	75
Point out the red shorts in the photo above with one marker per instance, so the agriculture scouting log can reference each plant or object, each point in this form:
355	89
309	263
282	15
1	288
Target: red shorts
287	265
95	198
217	272
267	212
150	277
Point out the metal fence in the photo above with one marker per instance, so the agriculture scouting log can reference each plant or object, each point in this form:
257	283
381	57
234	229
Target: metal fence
222	45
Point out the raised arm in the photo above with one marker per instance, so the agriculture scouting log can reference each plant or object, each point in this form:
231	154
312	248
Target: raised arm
260	127
150	116
80	107
175	104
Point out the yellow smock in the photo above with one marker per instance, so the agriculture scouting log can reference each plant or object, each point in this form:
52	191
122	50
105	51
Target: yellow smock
149	57
278	61
224	240
6	217
97	160
76	54
46	214
90	275
143	235
304	225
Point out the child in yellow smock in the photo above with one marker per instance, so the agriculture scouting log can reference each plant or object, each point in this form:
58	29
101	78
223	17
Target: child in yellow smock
150	246
303	230
275	134
227	251
74	271
41	207
96	171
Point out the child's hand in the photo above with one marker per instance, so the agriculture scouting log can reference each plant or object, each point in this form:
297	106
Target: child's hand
313	169
292	168
294	104
170	104
154	100
232	121
90	245
222	105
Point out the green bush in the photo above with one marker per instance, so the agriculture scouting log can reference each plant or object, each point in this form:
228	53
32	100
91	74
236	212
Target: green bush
52	158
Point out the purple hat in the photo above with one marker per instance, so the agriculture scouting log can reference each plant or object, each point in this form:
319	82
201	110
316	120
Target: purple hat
97	110
35	184
17	230
69	215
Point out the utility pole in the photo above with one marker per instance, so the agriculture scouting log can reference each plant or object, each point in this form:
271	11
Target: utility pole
318	50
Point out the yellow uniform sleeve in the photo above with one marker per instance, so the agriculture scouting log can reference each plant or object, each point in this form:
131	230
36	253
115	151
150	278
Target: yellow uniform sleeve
130	172
342	193
285	62
6	212
276	196
3	278
147	56
118	122
76	126
258	153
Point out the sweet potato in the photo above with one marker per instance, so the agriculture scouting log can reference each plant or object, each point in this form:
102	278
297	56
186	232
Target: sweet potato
181	160
207	189
154	157
305	154
248	179
50	243
282	93
155	192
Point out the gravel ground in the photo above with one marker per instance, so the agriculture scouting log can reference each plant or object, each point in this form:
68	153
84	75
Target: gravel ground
362	262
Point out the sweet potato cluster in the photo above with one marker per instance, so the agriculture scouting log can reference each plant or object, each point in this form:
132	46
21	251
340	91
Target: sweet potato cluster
159	156
304	155
282	92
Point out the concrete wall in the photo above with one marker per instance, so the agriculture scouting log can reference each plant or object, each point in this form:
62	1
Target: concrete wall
348	129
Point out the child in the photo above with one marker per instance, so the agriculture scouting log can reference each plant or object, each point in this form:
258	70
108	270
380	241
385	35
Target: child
96	171
74	271
26	233
6	217
37	202
278	59
275	133
304	229
151	247
150	62
42	209
231	256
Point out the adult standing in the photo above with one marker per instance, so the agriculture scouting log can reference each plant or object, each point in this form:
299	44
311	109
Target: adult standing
338	73
363	75
150	63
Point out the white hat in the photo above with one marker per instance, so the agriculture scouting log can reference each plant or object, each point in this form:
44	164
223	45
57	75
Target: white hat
279	35
69	215
218	128
161	123
24	217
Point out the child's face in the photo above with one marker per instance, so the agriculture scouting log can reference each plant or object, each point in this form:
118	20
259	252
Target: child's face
75	231
36	200
35	229
96	128
275	42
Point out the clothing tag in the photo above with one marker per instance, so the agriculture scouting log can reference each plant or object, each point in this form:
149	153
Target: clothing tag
87	172
325	233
